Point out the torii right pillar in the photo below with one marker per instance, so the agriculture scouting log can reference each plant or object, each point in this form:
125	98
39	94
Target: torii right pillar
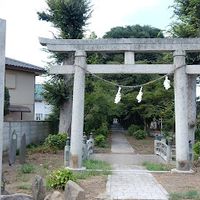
181	111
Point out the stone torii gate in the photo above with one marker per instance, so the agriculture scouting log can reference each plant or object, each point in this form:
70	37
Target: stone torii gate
184	82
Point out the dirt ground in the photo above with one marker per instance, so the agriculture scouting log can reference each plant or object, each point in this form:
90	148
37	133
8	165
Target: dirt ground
44	163
179	183
145	146
172	182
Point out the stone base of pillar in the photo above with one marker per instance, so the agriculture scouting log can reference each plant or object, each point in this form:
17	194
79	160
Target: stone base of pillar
183	165
182	172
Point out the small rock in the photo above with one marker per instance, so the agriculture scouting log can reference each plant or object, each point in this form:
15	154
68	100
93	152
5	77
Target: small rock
38	189
16	197
73	191
56	195
4	192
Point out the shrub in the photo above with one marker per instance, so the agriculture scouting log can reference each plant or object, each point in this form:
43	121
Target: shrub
102	130
197	134
56	141
58	178
196	149
140	134
27	168
132	129
100	140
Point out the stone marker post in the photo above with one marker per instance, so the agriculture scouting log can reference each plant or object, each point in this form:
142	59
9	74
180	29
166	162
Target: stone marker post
38	188
12	148
2	73
22	149
181	111
78	110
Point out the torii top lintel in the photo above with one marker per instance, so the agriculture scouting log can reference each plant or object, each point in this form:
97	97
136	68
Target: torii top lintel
122	45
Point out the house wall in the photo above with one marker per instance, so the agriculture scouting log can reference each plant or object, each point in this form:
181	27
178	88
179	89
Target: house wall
35	131
21	88
42	110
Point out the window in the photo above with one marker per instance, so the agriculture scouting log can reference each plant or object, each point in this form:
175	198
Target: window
39	116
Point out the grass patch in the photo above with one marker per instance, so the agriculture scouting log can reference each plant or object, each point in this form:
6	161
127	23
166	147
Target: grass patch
24	186
87	174
192	194
41	149
96	165
156	166
93	166
27	168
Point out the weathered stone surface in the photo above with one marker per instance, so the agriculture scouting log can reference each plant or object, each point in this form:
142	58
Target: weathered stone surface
78	111
74	191
12	148
4	192
56	195
123	44
16	197
22	149
2	75
38	189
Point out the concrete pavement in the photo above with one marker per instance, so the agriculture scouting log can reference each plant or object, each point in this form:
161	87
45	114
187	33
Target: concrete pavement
129	181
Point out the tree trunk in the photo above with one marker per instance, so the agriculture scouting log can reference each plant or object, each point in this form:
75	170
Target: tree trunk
65	116
66	108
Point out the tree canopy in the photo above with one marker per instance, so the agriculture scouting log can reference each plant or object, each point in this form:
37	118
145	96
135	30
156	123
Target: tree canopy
68	16
156	101
187	15
135	31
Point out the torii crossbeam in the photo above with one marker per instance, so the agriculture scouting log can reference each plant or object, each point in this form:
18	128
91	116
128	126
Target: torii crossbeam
184	82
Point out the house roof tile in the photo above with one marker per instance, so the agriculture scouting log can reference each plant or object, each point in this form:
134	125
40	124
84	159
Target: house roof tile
19	65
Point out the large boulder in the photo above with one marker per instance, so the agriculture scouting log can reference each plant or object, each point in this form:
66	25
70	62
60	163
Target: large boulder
73	191
38	189
56	195
16	197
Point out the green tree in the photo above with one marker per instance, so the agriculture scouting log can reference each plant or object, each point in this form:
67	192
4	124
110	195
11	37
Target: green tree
70	18
187	16
187	23
135	31
99	106
156	101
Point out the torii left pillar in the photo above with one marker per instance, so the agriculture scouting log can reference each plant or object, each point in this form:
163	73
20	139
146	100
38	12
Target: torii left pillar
78	111
2	74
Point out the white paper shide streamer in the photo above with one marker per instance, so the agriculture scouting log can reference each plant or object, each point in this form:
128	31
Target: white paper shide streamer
118	96
139	96
166	83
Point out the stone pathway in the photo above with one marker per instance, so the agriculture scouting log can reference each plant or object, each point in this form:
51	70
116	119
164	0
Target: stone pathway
128	181
120	144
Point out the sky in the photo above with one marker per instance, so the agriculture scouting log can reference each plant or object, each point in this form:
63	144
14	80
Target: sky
24	28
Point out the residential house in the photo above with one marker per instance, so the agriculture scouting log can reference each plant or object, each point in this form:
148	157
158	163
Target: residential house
20	80
42	109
